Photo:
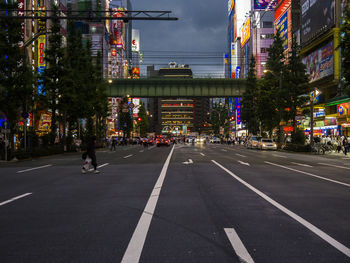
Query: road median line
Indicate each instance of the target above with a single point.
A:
(309, 174)
(14, 199)
(336, 244)
(135, 247)
(35, 168)
(238, 246)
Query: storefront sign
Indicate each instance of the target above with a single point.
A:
(246, 32)
(263, 4)
(41, 22)
(344, 109)
(20, 5)
(135, 44)
(238, 72)
(41, 51)
(238, 112)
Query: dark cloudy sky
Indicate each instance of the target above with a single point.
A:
(198, 38)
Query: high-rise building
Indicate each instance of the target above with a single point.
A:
(176, 116)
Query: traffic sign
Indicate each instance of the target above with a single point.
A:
(131, 105)
(125, 105)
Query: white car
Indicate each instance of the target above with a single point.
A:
(215, 140)
(267, 144)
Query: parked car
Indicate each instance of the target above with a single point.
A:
(267, 144)
(253, 142)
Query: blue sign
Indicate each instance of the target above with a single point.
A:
(341, 110)
(4, 122)
(40, 81)
(282, 26)
(238, 72)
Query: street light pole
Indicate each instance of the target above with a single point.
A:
(312, 123)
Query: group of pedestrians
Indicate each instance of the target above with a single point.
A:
(338, 143)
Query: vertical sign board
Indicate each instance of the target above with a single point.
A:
(41, 62)
(118, 28)
(135, 44)
(238, 113)
(282, 26)
(238, 72)
(246, 32)
(20, 5)
(283, 22)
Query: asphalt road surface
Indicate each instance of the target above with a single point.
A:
(188, 203)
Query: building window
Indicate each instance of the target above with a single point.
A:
(267, 36)
(267, 24)
(263, 50)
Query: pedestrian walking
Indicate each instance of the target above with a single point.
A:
(113, 144)
(91, 153)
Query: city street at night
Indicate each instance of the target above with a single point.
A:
(183, 203)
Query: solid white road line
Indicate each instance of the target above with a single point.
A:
(134, 249)
(238, 246)
(202, 154)
(310, 174)
(302, 164)
(345, 250)
(281, 156)
(100, 166)
(14, 199)
(337, 166)
(35, 168)
(223, 150)
(241, 155)
(128, 156)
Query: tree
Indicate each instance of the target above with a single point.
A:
(345, 47)
(297, 85)
(271, 100)
(219, 117)
(250, 99)
(143, 122)
(15, 75)
(53, 81)
(125, 119)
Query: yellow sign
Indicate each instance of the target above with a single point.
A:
(41, 51)
(245, 32)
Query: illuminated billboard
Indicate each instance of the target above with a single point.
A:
(317, 16)
(246, 32)
(320, 63)
(41, 51)
(263, 4)
(231, 5)
(282, 25)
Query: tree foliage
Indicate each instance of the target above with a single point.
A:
(250, 100)
(345, 47)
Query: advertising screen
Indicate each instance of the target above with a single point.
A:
(135, 45)
(317, 16)
(282, 26)
(263, 4)
(320, 63)
(246, 32)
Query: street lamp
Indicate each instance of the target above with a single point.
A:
(313, 96)
(110, 81)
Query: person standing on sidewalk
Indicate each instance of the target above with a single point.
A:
(91, 153)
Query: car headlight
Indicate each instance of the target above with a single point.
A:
(264, 145)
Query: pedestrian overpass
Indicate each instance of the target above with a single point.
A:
(146, 88)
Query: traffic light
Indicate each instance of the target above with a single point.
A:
(232, 118)
(139, 119)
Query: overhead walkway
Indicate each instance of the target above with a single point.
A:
(146, 88)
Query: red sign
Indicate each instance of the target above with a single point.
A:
(282, 8)
(114, 53)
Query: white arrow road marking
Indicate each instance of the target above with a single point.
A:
(247, 164)
(337, 166)
(241, 155)
(238, 246)
(128, 156)
(189, 162)
(14, 199)
(35, 168)
(310, 174)
(202, 154)
(345, 250)
(301, 164)
(134, 249)
(223, 150)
